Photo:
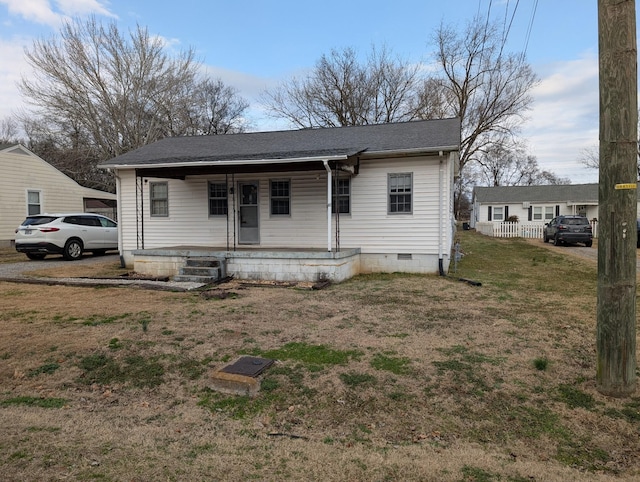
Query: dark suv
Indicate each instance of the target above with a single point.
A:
(568, 229)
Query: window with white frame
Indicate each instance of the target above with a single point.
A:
(218, 201)
(280, 197)
(341, 194)
(400, 188)
(33, 203)
(498, 213)
(548, 213)
(542, 213)
(159, 198)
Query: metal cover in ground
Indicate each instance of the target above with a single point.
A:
(250, 366)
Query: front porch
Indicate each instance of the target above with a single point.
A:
(283, 264)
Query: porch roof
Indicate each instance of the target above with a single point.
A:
(293, 148)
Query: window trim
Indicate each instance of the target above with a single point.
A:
(218, 198)
(390, 194)
(154, 200)
(286, 198)
(336, 196)
(39, 203)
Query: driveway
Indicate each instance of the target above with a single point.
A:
(580, 251)
(15, 272)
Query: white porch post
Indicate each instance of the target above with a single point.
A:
(328, 169)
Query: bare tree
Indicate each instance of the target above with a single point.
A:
(503, 166)
(9, 131)
(99, 93)
(486, 88)
(119, 92)
(342, 91)
(217, 109)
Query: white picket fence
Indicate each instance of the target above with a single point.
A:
(519, 230)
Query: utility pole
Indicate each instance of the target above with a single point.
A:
(616, 324)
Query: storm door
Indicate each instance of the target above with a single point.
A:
(249, 232)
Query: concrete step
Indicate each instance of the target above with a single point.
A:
(204, 262)
(201, 270)
(195, 279)
(198, 271)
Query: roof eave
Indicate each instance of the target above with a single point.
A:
(236, 162)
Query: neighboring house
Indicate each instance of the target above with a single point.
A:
(537, 204)
(293, 205)
(30, 185)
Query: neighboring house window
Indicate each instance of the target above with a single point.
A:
(159, 197)
(400, 191)
(33, 203)
(542, 212)
(218, 205)
(498, 213)
(548, 213)
(341, 193)
(280, 198)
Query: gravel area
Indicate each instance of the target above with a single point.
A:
(15, 272)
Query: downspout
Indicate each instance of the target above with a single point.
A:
(328, 169)
(440, 218)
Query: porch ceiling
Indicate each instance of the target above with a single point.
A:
(181, 172)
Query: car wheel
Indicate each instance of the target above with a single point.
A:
(72, 249)
(588, 244)
(556, 241)
(35, 255)
(544, 238)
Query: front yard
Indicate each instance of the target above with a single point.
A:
(387, 377)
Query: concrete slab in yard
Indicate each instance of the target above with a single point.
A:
(240, 377)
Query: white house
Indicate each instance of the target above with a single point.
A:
(293, 205)
(538, 204)
(30, 185)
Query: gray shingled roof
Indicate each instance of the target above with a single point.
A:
(428, 135)
(579, 193)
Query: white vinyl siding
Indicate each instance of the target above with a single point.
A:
(23, 171)
(369, 226)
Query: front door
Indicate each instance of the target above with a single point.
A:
(248, 203)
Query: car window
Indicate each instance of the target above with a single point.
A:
(34, 221)
(92, 221)
(575, 221)
(107, 223)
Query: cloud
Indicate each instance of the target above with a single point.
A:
(42, 11)
(12, 67)
(564, 119)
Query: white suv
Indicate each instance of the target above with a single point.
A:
(66, 234)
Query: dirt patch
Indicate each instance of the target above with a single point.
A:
(387, 377)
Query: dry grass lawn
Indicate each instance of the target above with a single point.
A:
(387, 377)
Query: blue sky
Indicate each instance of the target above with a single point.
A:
(254, 44)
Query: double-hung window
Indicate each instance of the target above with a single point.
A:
(542, 213)
(341, 194)
(218, 201)
(400, 188)
(498, 213)
(159, 198)
(280, 197)
(33, 203)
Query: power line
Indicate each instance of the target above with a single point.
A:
(533, 15)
